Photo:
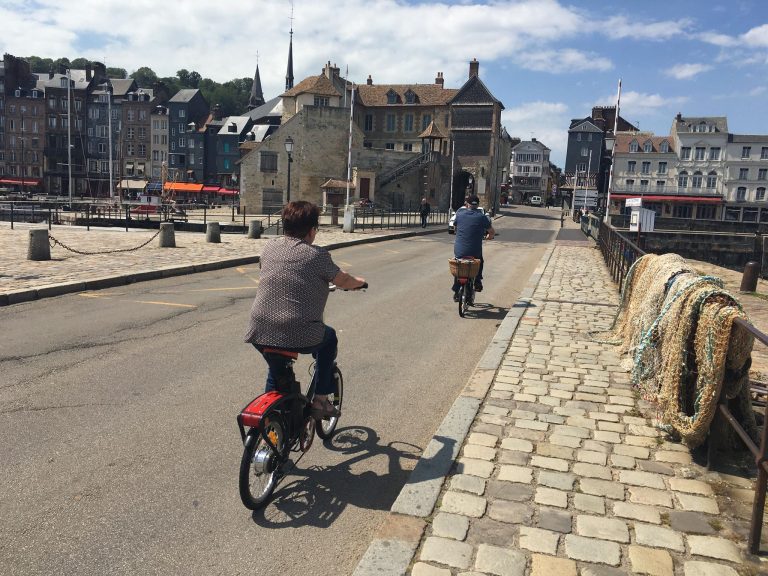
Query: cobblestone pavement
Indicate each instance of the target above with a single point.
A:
(17, 273)
(561, 473)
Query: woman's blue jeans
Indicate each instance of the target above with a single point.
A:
(325, 358)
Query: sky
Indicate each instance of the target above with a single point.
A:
(547, 61)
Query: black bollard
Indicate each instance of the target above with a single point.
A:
(749, 279)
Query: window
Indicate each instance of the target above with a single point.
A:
(142, 114)
(762, 174)
(584, 151)
(749, 215)
(182, 113)
(578, 137)
(155, 156)
(741, 194)
(63, 103)
(182, 142)
(760, 194)
(589, 137)
(268, 162)
(323, 101)
(425, 120)
(745, 151)
(142, 133)
(685, 153)
(408, 147)
(410, 97)
(631, 166)
(662, 168)
(646, 169)
(368, 125)
(714, 153)
(390, 122)
(633, 146)
(643, 185)
(743, 173)
(389, 146)
(581, 167)
(732, 214)
(696, 180)
(682, 179)
(391, 97)
(660, 185)
(648, 147)
(78, 104)
(227, 163)
(712, 180)
(102, 131)
(142, 149)
(130, 133)
(408, 123)
(52, 102)
(682, 211)
(704, 212)
(130, 149)
(104, 165)
(51, 121)
(700, 153)
(367, 144)
(130, 115)
(764, 153)
(664, 147)
(630, 184)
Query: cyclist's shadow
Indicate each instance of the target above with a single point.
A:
(316, 496)
(486, 310)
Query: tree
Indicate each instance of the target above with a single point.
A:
(119, 73)
(79, 63)
(145, 77)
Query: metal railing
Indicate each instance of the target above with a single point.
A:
(372, 218)
(619, 253)
(404, 168)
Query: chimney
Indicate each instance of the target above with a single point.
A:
(474, 68)
(216, 112)
(679, 117)
(533, 139)
(88, 73)
(369, 81)
(330, 72)
(439, 79)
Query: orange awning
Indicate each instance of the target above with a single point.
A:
(183, 187)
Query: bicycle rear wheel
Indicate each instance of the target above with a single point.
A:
(326, 428)
(259, 465)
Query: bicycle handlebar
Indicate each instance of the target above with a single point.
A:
(333, 287)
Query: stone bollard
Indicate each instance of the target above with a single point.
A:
(167, 235)
(749, 280)
(39, 248)
(254, 229)
(213, 233)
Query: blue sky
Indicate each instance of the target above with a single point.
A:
(547, 60)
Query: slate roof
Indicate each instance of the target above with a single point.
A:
(270, 109)
(686, 123)
(747, 138)
(426, 94)
(624, 139)
(579, 121)
(120, 87)
(240, 123)
(184, 95)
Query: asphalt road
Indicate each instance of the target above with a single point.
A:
(118, 440)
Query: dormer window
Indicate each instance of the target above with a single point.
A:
(391, 97)
(664, 147)
(410, 97)
(633, 147)
(648, 147)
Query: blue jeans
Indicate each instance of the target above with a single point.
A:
(324, 355)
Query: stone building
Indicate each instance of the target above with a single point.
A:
(529, 171)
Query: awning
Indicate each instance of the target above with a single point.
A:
(690, 199)
(183, 186)
(133, 184)
(210, 188)
(228, 192)
(26, 182)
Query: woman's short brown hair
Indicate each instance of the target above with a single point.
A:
(299, 218)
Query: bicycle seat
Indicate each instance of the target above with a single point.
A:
(281, 352)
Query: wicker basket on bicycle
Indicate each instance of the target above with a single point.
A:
(464, 267)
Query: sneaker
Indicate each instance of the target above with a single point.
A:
(478, 286)
(456, 296)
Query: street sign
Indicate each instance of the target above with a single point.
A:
(636, 202)
(586, 198)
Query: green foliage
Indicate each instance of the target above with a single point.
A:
(120, 73)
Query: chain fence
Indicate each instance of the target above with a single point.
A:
(54, 241)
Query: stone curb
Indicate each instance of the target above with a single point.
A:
(390, 555)
(49, 290)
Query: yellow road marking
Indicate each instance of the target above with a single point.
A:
(245, 271)
(392, 251)
(344, 264)
(164, 303)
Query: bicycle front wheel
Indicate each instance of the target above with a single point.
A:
(326, 428)
(259, 466)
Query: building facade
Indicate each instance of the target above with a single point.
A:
(529, 171)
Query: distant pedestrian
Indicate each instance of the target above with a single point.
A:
(424, 211)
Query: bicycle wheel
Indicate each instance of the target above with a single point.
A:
(327, 427)
(258, 468)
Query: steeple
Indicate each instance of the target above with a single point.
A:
(289, 73)
(257, 95)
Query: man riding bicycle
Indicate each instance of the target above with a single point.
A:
(471, 227)
(287, 312)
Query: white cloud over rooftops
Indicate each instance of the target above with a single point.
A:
(685, 71)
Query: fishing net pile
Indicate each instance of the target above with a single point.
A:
(675, 326)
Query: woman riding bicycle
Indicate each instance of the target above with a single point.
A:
(287, 312)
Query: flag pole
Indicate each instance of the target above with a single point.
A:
(613, 154)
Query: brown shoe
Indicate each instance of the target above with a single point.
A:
(323, 410)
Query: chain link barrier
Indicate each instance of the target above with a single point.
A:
(54, 241)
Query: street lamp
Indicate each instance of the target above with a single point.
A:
(22, 109)
(289, 150)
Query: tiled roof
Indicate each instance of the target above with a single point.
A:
(426, 94)
(431, 132)
(319, 85)
(333, 183)
(624, 139)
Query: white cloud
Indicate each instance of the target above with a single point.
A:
(685, 71)
(722, 40)
(757, 91)
(545, 121)
(562, 61)
(637, 103)
(620, 27)
(757, 37)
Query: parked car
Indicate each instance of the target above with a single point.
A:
(452, 221)
(536, 201)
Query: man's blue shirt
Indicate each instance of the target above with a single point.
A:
(471, 226)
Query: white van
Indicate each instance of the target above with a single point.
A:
(536, 201)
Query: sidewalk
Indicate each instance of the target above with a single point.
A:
(22, 280)
(557, 471)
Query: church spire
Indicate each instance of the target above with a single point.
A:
(257, 95)
(289, 73)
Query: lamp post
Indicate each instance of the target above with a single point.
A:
(69, 135)
(23, 161)
(109, 142)
(289, 150)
